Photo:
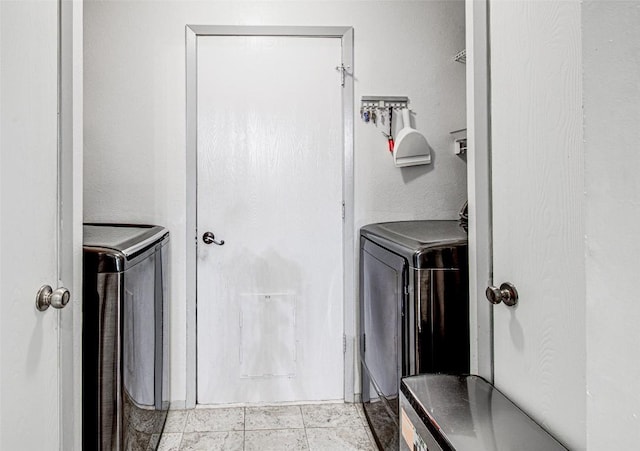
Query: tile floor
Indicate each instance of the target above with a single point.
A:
(324, 427)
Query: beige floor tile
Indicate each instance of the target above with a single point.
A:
(331, 415)
(170, 441)
(275, 440)
(342, 438)
(212, 441)
(176, 420)
(215, 420)
(284, 417)
(329, 427)
(370, 435)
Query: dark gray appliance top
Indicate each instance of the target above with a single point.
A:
(117, 246)
(472, 414)
(415, 240)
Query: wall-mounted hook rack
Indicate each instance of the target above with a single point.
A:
(461, 57)
(384, 102)
(411, 147)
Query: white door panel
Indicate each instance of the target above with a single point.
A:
(30, 413)
(270, 317)
(29, 207)
(538, 235)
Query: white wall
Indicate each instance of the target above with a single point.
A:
(611, 54)
(135, 111)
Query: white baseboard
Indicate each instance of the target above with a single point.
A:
(180, 404)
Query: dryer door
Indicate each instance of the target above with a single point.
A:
(382, 281)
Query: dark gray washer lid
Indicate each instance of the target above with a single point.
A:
(416, 240)
(473, 415)
(117, 246)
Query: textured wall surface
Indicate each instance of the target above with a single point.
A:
(135, 111)
(611, 52)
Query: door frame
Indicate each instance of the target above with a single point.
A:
(345, 34)
(478, 76)
(70, 217)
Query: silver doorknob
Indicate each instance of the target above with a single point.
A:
(507, 293)
(209, 238)
(47, 297)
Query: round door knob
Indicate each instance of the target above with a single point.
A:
(47, 297)
(507, 293)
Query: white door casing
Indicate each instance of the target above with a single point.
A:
(479, 187)
(70, 239)
(538, 217)
(345, 37)
(39, 223)
(270, 184)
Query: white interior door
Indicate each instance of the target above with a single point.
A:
(30, 389)
(269, 151)
(536, 117)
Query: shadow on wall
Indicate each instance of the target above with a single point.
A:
(516, 332)
(269, 309)
(411, 173)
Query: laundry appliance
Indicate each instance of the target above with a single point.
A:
(414, 312)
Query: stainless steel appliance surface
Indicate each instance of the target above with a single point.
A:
(465, 413)
(413, 312)
(125, 335)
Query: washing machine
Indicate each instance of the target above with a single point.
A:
(125, 368)
(465, 413)
(414, 312)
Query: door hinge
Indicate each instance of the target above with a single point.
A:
(343, 71)
(344, 344)
(343, 208)
(364, 343)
